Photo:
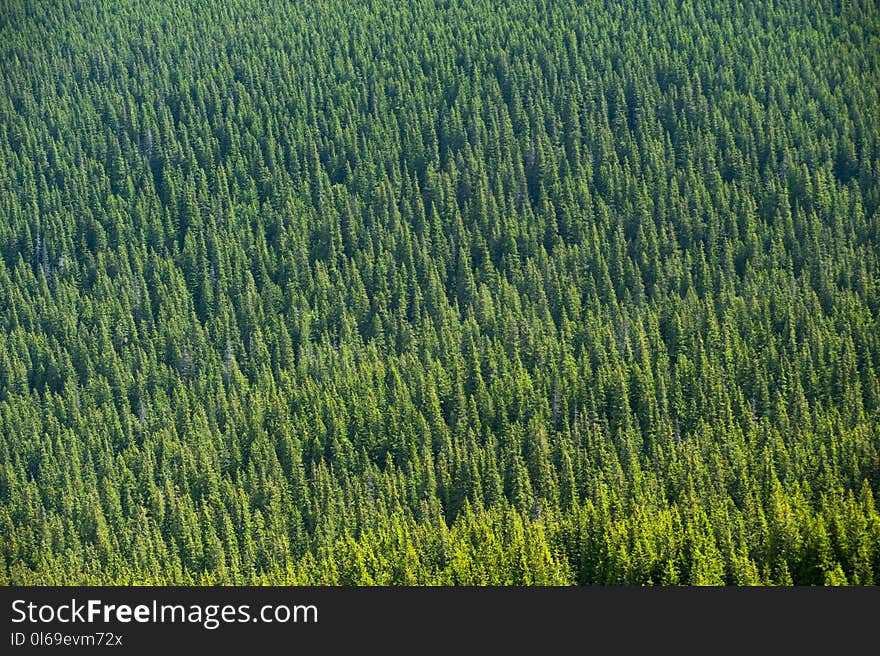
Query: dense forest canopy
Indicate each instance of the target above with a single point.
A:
(440, 291)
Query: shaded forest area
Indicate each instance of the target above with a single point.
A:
(440, 291)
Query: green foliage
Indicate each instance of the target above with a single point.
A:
(462, 292)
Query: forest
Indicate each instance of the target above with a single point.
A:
(440, 292)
